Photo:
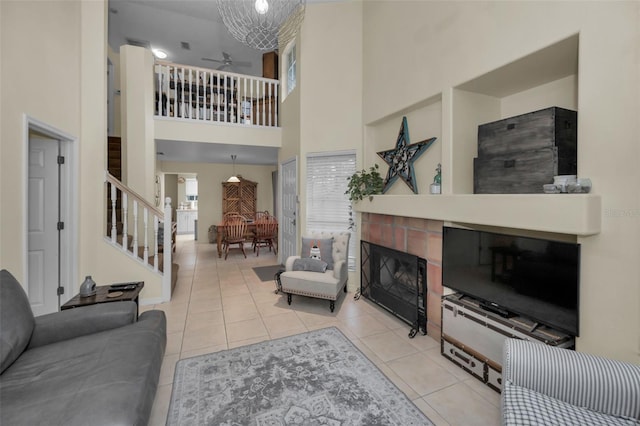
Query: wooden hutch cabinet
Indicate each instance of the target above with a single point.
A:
(240, 197)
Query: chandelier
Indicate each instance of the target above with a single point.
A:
(262, 24)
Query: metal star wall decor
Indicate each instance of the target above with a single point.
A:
(400, 159)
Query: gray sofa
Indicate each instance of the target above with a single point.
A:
(544, 385)
(95, 365)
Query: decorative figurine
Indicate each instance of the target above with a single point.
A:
(434, 188)
(401, 158)
(88, 287)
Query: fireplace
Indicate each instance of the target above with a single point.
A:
(396, 281)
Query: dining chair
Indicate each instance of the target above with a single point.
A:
(235, 227)
(261, 215)
(257, 217)
(265, 234)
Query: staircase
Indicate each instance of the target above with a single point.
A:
(114, 166)
(135, 226)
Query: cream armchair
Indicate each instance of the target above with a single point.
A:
(322, 285)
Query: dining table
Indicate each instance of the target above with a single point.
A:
(251, 227)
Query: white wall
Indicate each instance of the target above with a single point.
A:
(438, 45)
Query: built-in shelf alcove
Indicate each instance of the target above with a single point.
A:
(424, 120)
(547, 77)
(540, 79)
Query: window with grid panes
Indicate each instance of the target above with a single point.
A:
(328, 207)
(290, 57)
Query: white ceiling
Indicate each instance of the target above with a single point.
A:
(164, 24)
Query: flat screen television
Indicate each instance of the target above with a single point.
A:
(513, 275)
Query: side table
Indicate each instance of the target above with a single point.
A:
(104, 296)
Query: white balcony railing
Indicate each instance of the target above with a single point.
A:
(190, 93)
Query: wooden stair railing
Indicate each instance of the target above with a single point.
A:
(129, 213)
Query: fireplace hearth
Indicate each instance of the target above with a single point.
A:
(395, 281)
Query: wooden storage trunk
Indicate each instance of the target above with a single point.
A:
(473, 338)
(519, 154)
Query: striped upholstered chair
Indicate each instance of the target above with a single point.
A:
(544, 385)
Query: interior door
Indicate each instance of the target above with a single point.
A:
(43, 217)
(287, 245)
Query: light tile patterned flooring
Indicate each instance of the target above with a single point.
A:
(220, 304)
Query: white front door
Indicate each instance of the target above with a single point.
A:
(43, 215)
(287, 246)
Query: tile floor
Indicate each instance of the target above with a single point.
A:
(220, 304)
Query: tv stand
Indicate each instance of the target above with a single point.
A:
(496, 310)
(473, 336)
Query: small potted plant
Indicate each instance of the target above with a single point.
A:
(365, 184)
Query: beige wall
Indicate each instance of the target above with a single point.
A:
(434, 46)
(290, 106)
(52, 97)
(114, 57)
(330, 115)
(439, 45)
(53, 58)
(170, 189)
(210, 178)
(329, 89)
(138, 138)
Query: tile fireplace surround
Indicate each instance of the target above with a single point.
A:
(420, 237)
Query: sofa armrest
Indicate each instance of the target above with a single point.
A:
(599, 384)
(340, 270)
(289, 264)
(77, 322)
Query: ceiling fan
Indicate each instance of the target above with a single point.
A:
(228, 62)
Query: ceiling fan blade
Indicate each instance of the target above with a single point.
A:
(226, 56)
(222, 67)
(213, 60)
(242, 63)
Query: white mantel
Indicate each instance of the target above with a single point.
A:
(574, 214)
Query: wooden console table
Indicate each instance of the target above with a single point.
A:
(103, 296)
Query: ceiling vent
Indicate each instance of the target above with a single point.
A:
(185, 45)
(139, 43)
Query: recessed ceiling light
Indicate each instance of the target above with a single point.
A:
(160, 54)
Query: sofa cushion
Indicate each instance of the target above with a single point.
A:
(106, 378)
(522, 406)
(16, 319)
(325, 245)
(308, 264)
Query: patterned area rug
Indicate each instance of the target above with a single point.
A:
(314, 378)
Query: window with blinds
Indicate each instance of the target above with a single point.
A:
(328, 207)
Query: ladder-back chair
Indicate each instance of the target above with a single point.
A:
(235, 227)
(266, 234)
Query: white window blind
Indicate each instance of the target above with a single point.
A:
(328, 207)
